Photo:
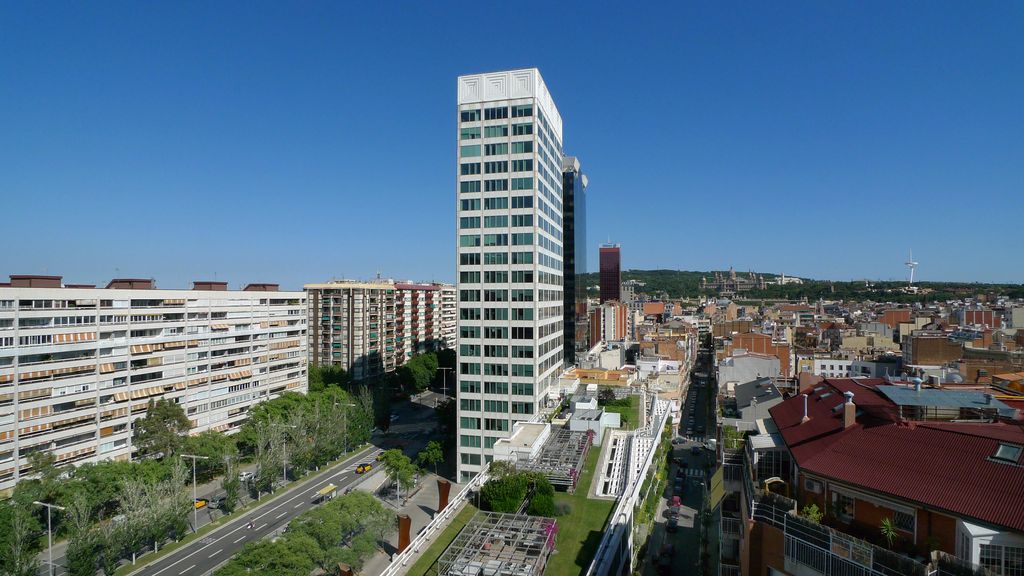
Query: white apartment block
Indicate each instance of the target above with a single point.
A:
(833, 367)
(79, 364)
(370, 328)
(509, 229)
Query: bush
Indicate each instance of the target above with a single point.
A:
(563, 509)
(542, 505)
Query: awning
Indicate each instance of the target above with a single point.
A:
(104, 368)
(219, 326)
(196, 381)
(172, 345)
(76, 337)
(141, 348)
(121, 396)
(327, 490)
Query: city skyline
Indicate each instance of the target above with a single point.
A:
(161, 140)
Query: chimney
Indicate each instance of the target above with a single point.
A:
(805, 418)
(849, 411)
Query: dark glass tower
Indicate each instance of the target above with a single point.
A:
(576, 334)
(611, 275)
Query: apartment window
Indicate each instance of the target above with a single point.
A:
(522, 370)
(522, 110)
(469, 332)
(496, 424)
(496, 167)
(843, 506)
(495, 239)
(495, 203)
(495, 276)
(523, 147)
(469, 313)
(496, 258)
(523, 184)
(471, 115)
(522, 295)
(467, 423)
(470, 204)
(469, 368)
(1005, 560)
(498, 406)
(494, 351)
(468, 441)
(496, 221)
(495, 387)
(470, 259)
(495, 295)
(469, 133)
(496, 149)
(522, 332)
(496, 131)
(522, 239)
(470, 168)
(495, 185)
(904, 520)
(495, 313)
(489, 442)
(520, 389)
(523, 201)
(812, 485)
(522, 257)
(495, 333)
(469, 387)
(522, 220)
(522, 351)
(469, 241)
(469, 277)
(469, 151)
(522, 275)
(469, 349)
(471, 459)
(496, 113)
(522, 129)
(469, 185)
(522, 165)
(522, 407)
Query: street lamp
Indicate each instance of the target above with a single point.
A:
(444, 380)
(195, 510)
(284, 446)
(345, 421)
(49, 531)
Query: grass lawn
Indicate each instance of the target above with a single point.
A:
(579, 532)
(630, 414)
(427, 564)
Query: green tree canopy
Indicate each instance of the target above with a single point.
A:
(161, 432)
(431, 455)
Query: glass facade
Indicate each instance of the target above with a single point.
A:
(574, 260)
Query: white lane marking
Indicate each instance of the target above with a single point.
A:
(262, 527)
(240, 526)
(281, 514)
(239, 540)
(297, 505)
(187, 569)
(215, 553)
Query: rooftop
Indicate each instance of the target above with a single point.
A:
(943, 464)
(494, 543)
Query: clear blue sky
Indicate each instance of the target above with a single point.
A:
(300, 141)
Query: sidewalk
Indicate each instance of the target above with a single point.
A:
(421, 509)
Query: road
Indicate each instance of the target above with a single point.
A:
(203, 555)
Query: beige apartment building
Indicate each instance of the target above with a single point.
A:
(371, 328)
(78, 364)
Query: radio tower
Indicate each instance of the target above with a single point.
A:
(912, 265)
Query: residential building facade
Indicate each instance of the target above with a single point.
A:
(78, 365)
(371, 328)
(510, 257)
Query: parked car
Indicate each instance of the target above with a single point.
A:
(246, 477)
(364, 468)
(380, 456)
(673, 525)
(217, 502)
(201, 503)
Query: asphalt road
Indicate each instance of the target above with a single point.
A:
(218, 546)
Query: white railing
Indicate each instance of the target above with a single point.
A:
(400, 561)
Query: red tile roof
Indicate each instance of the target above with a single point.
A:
(944, 465)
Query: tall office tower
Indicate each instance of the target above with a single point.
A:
(78, 364)
(574, 234)
(610, 274)
(370, 328)
(509, 257)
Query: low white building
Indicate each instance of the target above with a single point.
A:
(648, 365)
(745, 366)
(832, 367)
(524, 444)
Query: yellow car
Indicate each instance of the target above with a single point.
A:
(380, 456)
(201, 503)
(363, 468)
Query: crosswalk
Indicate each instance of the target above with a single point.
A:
(693, 473)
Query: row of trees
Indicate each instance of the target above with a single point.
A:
(115, 508)
(347, 530)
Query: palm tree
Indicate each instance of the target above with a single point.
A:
(888, 530)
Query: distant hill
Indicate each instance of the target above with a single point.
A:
(686, 284)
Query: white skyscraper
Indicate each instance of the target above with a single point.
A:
(509, 257)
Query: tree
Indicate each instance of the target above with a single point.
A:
(431, 455)
(605, 395)
(812, 513)
(542, 503)
(447, 413)
(81, 554)
(399, 468)
(161, 432)
(215, 446)
(504, 494)
(888, 530)
(19, 532)
(231, 484)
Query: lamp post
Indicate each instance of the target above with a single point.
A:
(345, 420)
(49, 531)
(444, 381)
(284, 448)
(195, 510)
